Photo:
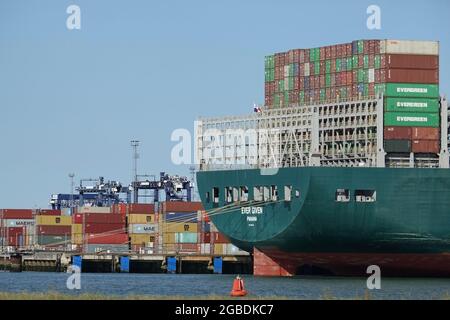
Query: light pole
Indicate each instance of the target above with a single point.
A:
(71, 176)
(135, 145)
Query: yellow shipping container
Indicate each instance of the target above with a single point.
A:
(77, 238)
(77, 229)
(141, 218)
(142, 238)
(179, 227)
(168, 238)
(219, 248)
(54, 220)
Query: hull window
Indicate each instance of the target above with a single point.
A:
(297, 193)
(274, 193)
(215, 192)
(236, 194)
(342, 195)
(365, 195)
(244, 193)
(287, 193)
(208, 197)
(228, 194)
(266, 193)
(257, 193)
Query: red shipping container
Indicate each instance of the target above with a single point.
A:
(311, 68)
(377, 46)
(377, 76)
(296, 83)
(317, 82)
(397, 133)
(103, 218)
(307, 55)
(120, 238)
(102, 228)
(372, 89)
(424, 133)
(16, 214)
(333, 66)
(328, 52)
(349, 49)
(334, 52)
(53, 230)
(411, 61)
(425, 146)
(49, 212)
(349, 78)
(355, 76)
(322, 81)
(77, 218)
(205, 237)
(371, 61)
(141, 208)
(181, 206)
(361, 61)
(322, 67)
(412, 76)
(322, 53)
(366, 45)
(13, 231)
(217, 237)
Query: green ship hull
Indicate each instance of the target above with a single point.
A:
(405, 227)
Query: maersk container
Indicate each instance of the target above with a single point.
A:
(401, 146)
(186, 237)
(412, 90)
(144, 228)
(409, 47)
(411, 105)
(18, 222)
(411, 119)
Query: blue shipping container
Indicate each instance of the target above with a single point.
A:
(77, 261)
(124, 264)
(171, 265)
(218, 262)
(181, 217)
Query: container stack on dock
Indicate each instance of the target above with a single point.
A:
(16, 227)
(142, 227)
(103, 230)
(350, 71)
(180, 228)
(53, 229)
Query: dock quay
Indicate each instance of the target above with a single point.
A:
(109, 262)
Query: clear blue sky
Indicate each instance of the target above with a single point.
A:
(71, 101)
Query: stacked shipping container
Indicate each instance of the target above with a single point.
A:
(16, 227)
(142, 226)
(343, 72)
(53, 229)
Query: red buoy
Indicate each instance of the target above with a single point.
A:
(238, 288)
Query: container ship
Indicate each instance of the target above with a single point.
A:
(344, 166)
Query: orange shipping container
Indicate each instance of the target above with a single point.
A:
(181, 206)
(425, 146)
(425, 133)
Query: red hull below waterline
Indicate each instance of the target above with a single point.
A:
(272, 262)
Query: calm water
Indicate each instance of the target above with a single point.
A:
(201, 285)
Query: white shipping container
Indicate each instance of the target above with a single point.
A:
(144, 228)
(371, 75)
(409, 47)
(231, 249)
(205, 248)
(307, 69)
(286, 71)
(18, 222)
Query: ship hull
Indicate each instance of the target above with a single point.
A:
(405, 230)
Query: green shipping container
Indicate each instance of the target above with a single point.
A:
(366, 62)
(317, 54)
(355, 62)
(411, 105)
(349, 64)
(322, 95)
(281, 85)
(311, 55)
(317, 68)
(412, 90)
(397, 146)
(269, 62)
(377, 62)
(286, 99)
(411, 119)
(360, 75)
(291, 83)
(366, 90)
(379, 89)
(360, 46)
(301, 97)
(269, 75)
(276, 100)
(328, 66)
(328, 80)
(343, 93)
(291, 70)
(53, 240)
(338, 65)
(186, 237)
